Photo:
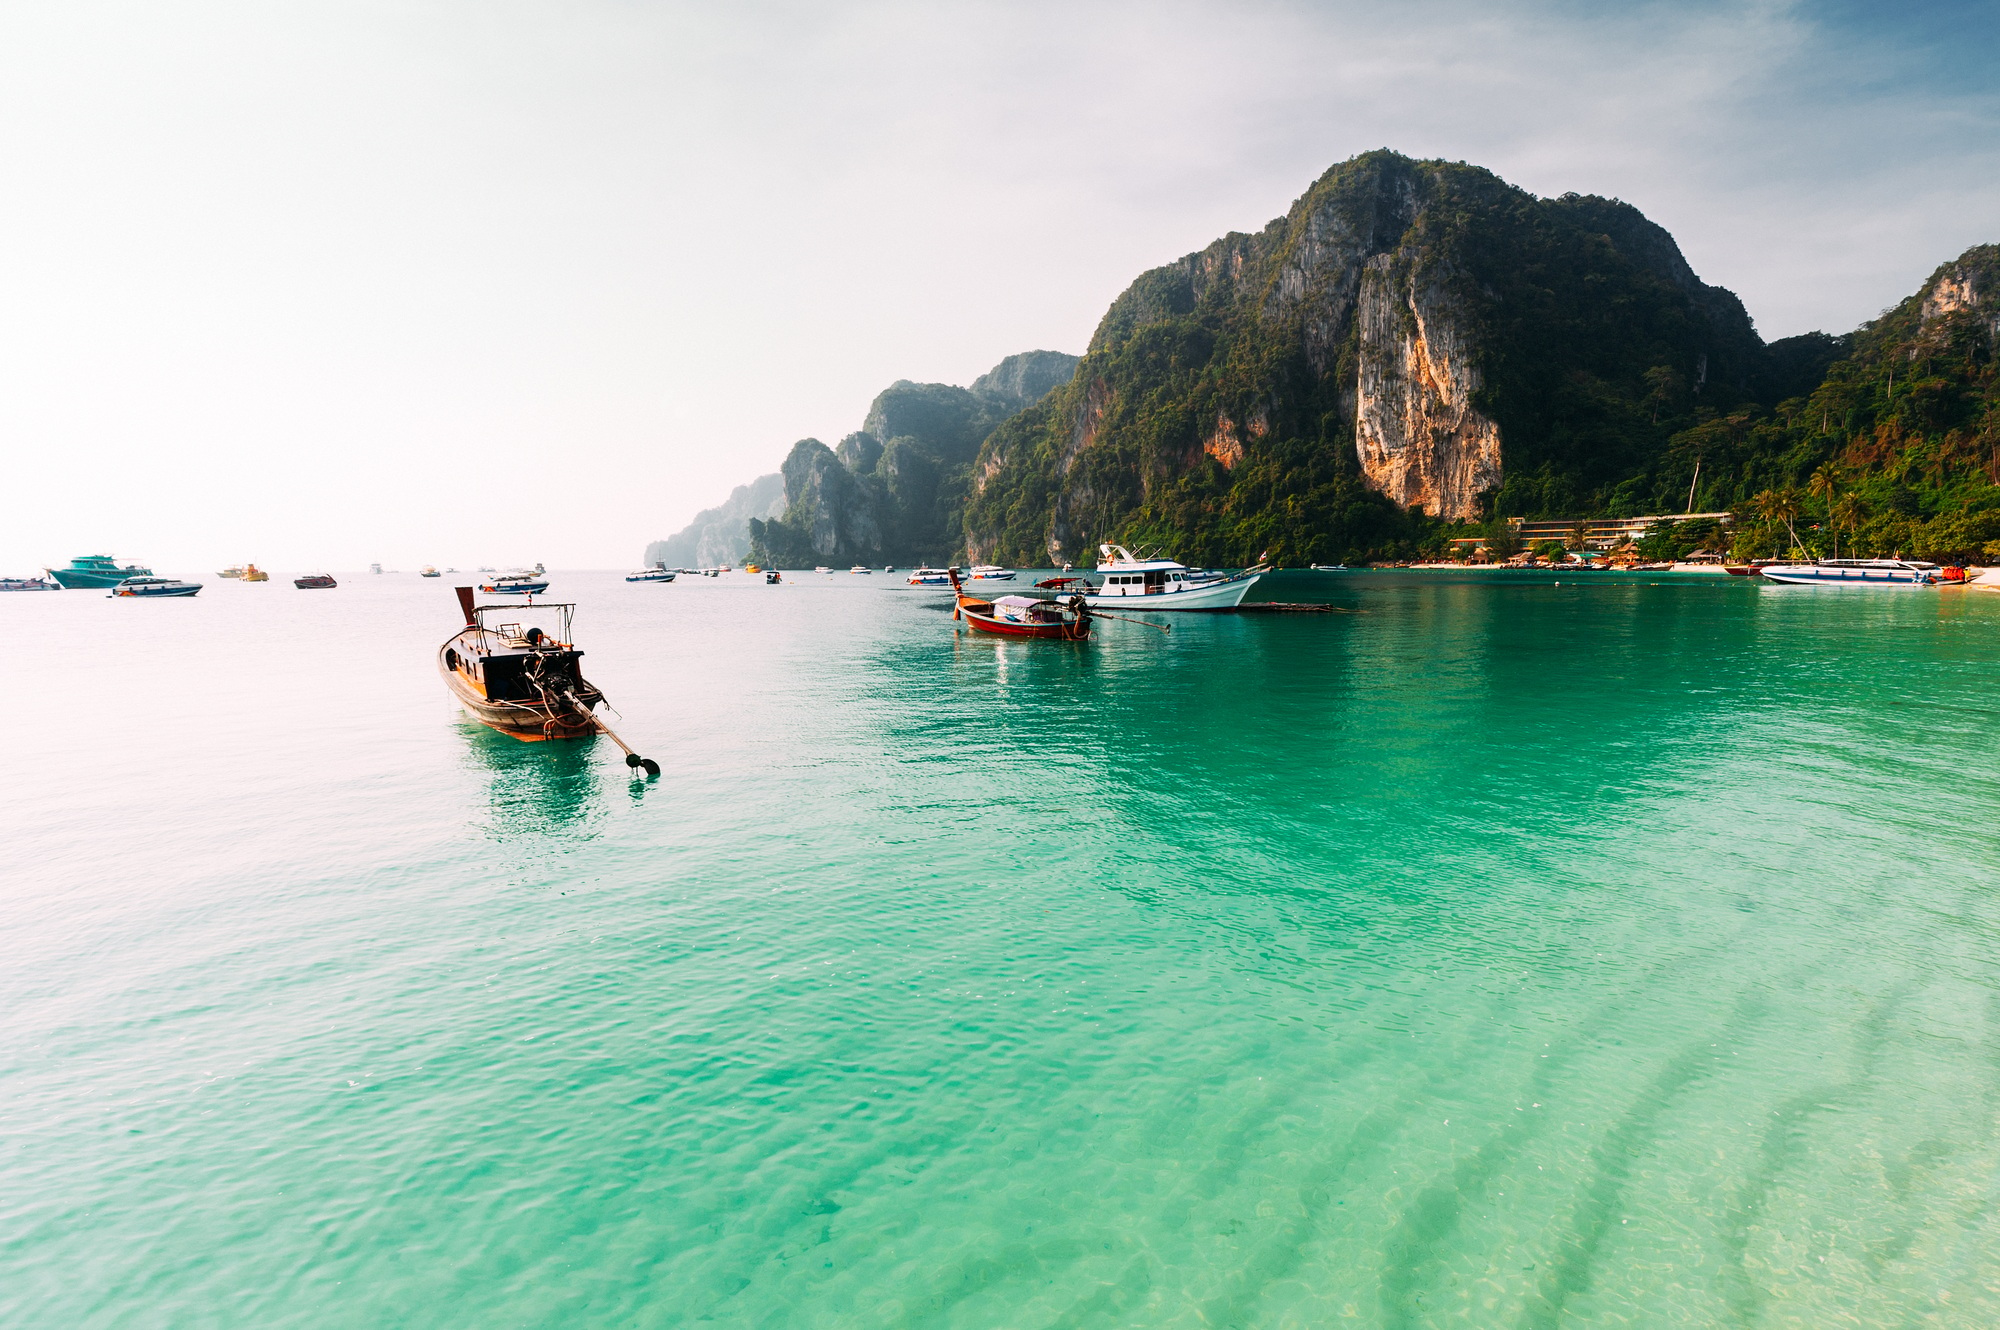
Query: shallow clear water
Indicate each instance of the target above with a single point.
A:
(1483, 953)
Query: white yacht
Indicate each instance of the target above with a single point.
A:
(659, 572)
(930, 577)
(860, 570)
(987, 572)
(1854, 573)
(1163, 584)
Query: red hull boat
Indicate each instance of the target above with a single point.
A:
(1024, 616)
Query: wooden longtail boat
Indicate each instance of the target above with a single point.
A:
(515, 668)
(1024, 616)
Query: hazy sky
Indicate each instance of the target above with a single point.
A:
(316, 284)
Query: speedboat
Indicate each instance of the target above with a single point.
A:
(234, 570)
(987, 572)
(155, 586)
(252, 573)
(96, 570)
(515, 584)
(1163, 584)
(1331, 568)
(659, 572)
(1855, 573)
(860, 571)
(27, 584)
(428, 571)
(773, 577)
(315, 582)
(822, 568)
(930, 577)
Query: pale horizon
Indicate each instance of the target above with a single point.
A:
(470, 285)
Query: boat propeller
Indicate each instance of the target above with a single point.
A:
(632, 759)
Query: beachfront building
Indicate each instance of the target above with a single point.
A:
(1599, 533)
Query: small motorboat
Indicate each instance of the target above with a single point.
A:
(428, 571)
(888, 567)
(859, 570)
(375, 568)
(987, 572)
(1331, 568)
(234, 570)
(515, 584)
(659, 572)
(517, 670)
(822, 568)
(148, 587)
(1064, 585)
(1856, 573)
(315, 582)
(930, 577)
(252, 573)
(773, 577)
(28, 584)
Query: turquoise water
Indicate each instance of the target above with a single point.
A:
(1482, 953)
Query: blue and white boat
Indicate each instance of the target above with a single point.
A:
(1163, 584)
(659, 572)
(987, 572)
(154, 586)
(515, 584)
(1854, 573)
(28, 584)
(930, 577)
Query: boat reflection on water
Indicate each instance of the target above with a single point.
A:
(535, 789)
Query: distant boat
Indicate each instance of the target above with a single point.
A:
(96, 570)
(514, 584)
(428, 571)
(1331, 568)
(154, 586)
(986, 572)
(315, 582)
(27, 584)
(1855, 573)
(861, 571)
(234, 570)
(1162, 584)
(374, 567)
(772, 578)
(659, 572)
(824, 569)
(888, 567)
(252, 573)
(930, 577)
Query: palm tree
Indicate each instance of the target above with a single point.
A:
(1850, 512)
(1825, 481)
(1779, 506)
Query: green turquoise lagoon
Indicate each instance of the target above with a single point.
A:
(1488, 950)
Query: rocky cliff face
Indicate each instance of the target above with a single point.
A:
(721, 535)
(1418, 438)
(1409, 336)
(893, 490)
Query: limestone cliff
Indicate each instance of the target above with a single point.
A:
(1409, 336)
(892, 491)
(721, 535)
(1418, 437)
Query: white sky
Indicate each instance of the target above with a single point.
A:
(316, 283)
